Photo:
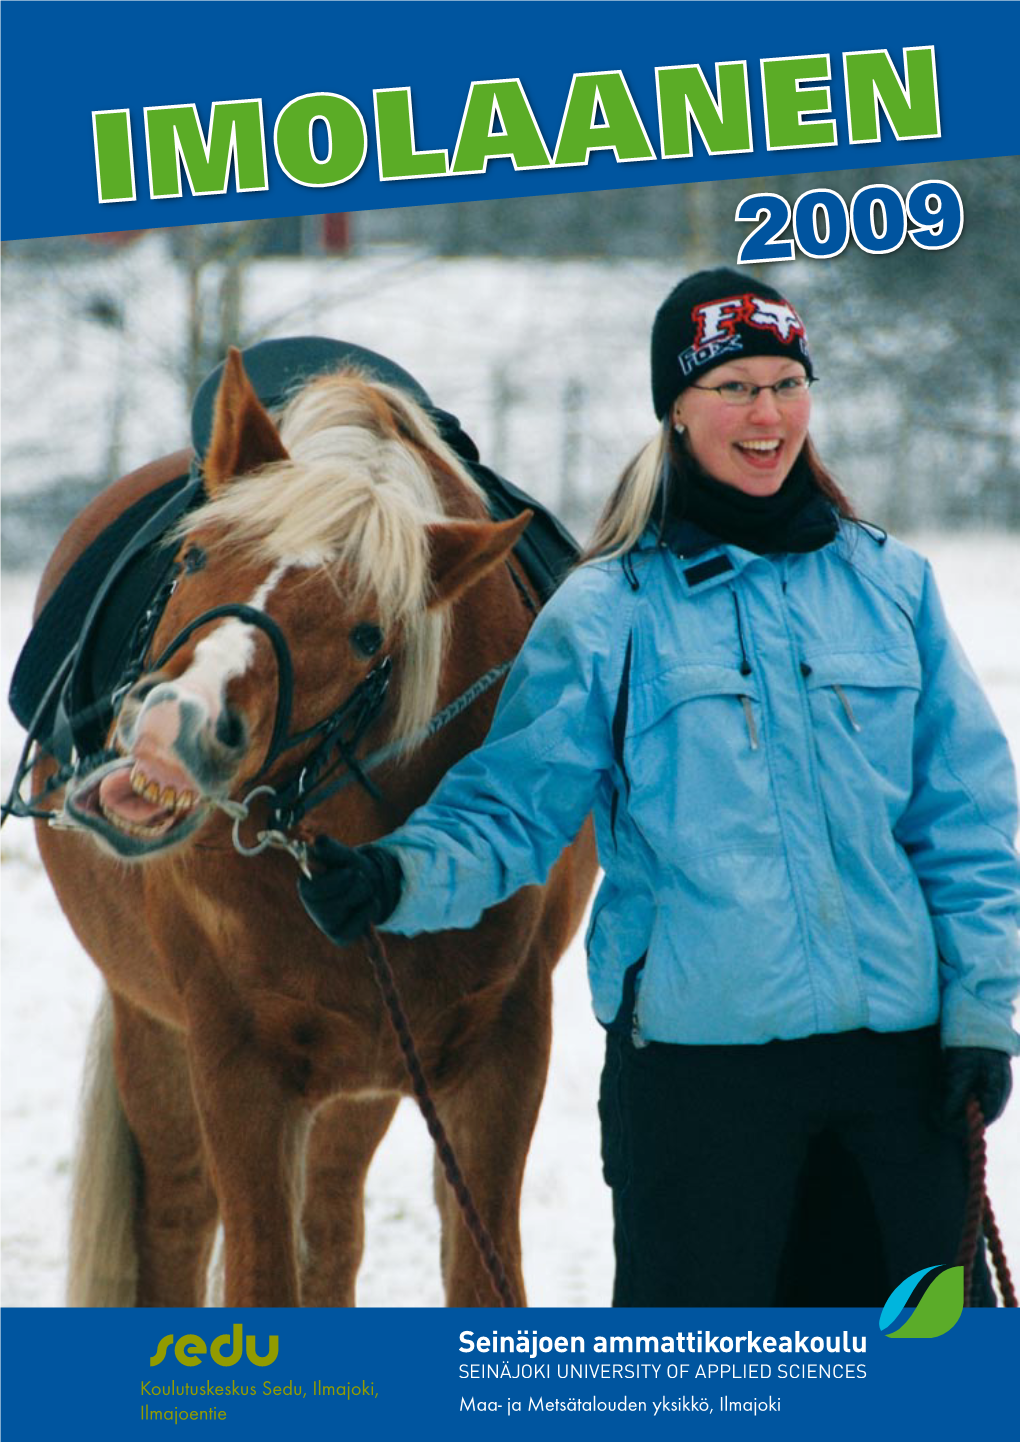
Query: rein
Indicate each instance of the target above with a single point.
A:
(480, 1234)
(310, 788)
(314, 784)
(979, 1216)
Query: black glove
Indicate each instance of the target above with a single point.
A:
(973, 1071)
(355, 888)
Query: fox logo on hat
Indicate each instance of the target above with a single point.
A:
(715, 316)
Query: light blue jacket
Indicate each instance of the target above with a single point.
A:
(805, 809)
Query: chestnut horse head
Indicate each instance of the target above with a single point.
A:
(312, 601)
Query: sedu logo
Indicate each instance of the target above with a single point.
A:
(190, 1349)
(939, 1307)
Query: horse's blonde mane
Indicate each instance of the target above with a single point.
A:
(355, 496)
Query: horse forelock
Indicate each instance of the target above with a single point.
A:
(355, 498)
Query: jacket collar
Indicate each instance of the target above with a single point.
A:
(686, 539)
(705, 562)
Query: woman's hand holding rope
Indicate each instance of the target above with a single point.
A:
(352, 889)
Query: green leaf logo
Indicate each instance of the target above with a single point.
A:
(939, 1309)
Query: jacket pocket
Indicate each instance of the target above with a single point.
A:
(695, 755)
(863, 707)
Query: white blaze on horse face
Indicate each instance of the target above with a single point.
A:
(177, 719)
(229, 650)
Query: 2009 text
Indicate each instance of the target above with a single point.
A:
(878, 219)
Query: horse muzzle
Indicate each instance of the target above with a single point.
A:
(177, 759)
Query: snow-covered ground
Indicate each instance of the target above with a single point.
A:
(49, 989)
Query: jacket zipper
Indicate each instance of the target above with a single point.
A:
(845, 703)
(844, 700)
(745, 670)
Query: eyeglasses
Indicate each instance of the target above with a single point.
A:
(742, 393)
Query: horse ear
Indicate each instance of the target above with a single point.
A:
(463, 551)
(243, 435)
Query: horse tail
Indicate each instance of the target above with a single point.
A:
(103, 1264)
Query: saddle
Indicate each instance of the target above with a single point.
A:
(70, 668)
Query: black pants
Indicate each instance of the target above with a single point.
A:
(706, 1150)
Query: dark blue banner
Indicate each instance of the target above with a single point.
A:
(115, 115)
(259, 1374)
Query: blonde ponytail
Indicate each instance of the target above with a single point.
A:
(629, 508)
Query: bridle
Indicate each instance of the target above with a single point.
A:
(329, 767)
(341, 730)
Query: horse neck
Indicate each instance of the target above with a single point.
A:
(489, 622)
(487, 627)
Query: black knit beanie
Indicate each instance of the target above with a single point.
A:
(716, 316)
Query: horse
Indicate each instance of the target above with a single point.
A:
(341, 578)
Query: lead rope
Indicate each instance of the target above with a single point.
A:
(480, 1234)
(979, 1214)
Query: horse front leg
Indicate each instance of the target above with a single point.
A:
(343, 1143)
(255, 1125)
(489, 1117)
(173, 1201)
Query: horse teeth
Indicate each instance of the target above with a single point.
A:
(168, 798)
(122, 824)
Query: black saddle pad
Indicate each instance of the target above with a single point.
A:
(93, 614)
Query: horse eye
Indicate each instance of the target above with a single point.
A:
(194, 559)
(366, 638)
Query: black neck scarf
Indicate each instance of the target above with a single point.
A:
(796, 518)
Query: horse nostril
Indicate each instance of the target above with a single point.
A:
(229, 729)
